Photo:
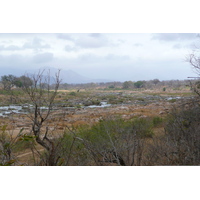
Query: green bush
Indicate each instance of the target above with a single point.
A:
(72, 93)
(172, 100)
(164, 89)
(116, 140)
(111, 87)
(24, 142)
(157, 121)
(179, 145)
(140, 99)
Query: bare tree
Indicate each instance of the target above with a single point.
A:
(194, 61)
(42, 98)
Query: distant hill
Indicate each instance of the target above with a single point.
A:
(71, 77)
(67, 76)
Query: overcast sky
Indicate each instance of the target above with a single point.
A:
(112, 56)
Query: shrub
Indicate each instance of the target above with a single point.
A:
(139, 84)
(180, 143)
(172, 100)
(111, 87)
(157, 121)
(72, 93)
(116, 141)
(140, 99)
(164, 89)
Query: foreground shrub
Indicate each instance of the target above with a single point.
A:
(116, 141)
(180, 145)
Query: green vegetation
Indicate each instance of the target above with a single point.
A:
(139, 84)
(180, 143)
(140, 99)
(72, 93)
(106, 140)
(10, 81)
(127, 85)
(157, 121)
(172, 100)
(164, 89)
(111, 86)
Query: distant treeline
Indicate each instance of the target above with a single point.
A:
(10, 81)
(150, 84)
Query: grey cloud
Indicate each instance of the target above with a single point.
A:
(6, 41)
(17, 35)
(88, 58)
(95, 34)
(174, 36)
(177, 46)
(88, 41)
(192, 46)
(10, 59)
(64, 36)
(14, 61)
(7, 36)
(17, 64)
(116, 43)
(70, 48)
(121, 41)
(92, 40)
(138, 45)
(110, 58)
(42, 58)
(187, 46)
(9, 48)
(117, 58)
(36, 44)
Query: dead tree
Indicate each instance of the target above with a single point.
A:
(194, 60)
(42, 99)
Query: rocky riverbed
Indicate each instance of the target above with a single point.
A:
(18, 116)
(79, 108)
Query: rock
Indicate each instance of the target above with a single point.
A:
(161, 112)
(142, 116)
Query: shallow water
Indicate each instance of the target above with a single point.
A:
(25, 109)
(16, 109)
(170, 98)
(103, 105)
